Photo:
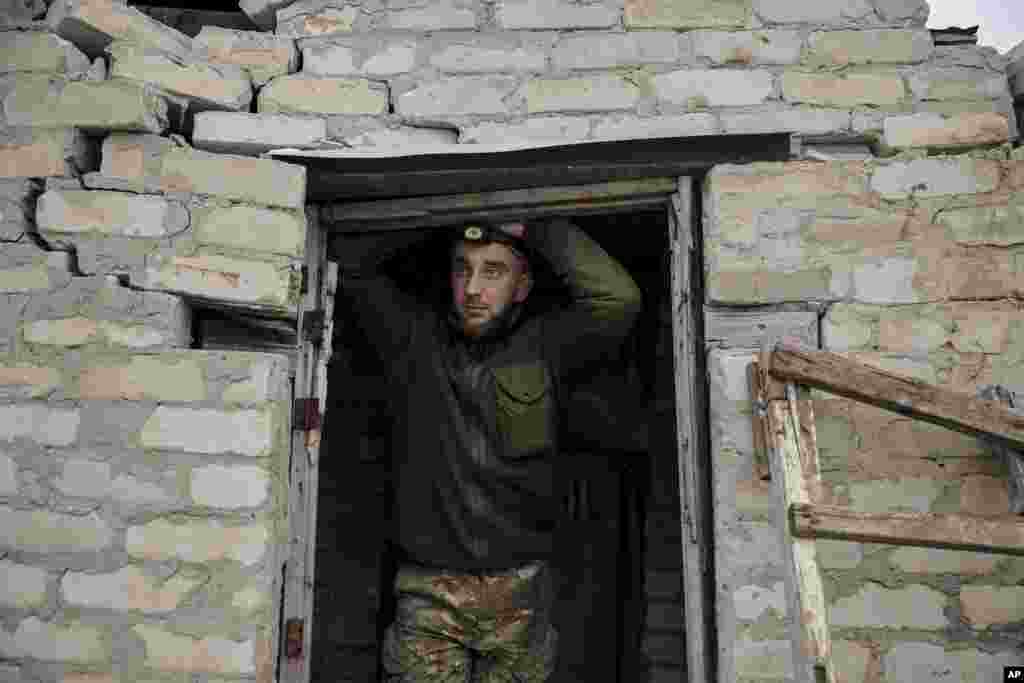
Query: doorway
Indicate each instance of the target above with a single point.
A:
(620, 603)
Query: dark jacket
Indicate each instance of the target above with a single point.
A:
(476, 421)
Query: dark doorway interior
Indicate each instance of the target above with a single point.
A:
(620, 603)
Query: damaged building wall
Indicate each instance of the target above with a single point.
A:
(141, 541)
(912, 266)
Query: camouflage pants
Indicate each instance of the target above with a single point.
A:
(479, 627)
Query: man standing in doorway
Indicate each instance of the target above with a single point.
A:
(475, 390)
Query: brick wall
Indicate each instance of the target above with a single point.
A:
(910, 264)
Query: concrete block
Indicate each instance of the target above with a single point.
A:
(263, 12)
(364, 131)
(94, 24)
(958, 84)
(441, 100)
(167, 651)
(310, 18)
(135, 160)
(436, 16)
(992, 225)
(209, 431)
(774, 119)
(874, 606)
(254, 228)
(98, 106)
(238, 486)
(844, 90)
(262, 56)
(360, 56)
(111, 213)
(144, 378)
(84, 478)
(39, 152)
(303, 94)
(24, 268)
(748, 47)
(8, 476)
(935, 177)
(930, 663)
(129, 588)
(197, 541)
(17, 206)
(22, 586)
(22, 14)
(629, 127)
(828, 12)
(132, 491)
(541, 128)
(671, 14)
(263, 284)
(607, 50)
(51, 642)
(491, 54)
(938, 561)
(877, 46)
(206, 85)
(597, 92)
(902, 12)
(40, 423)
(700, 88)
(41, 51)
(244, 179)
(935, 130)
(253, 134)
(41, 531)
(557, 14)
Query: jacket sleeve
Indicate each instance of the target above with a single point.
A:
(605, 300)
(385, 313)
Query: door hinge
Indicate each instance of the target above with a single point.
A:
(306, 415)
(313, 324)
(294, 634)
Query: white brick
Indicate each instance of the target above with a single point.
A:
(84, 478)
(750, 602)
(133, 491)
(457, 96)
(22, 586)
(887, 281)
(110, 213)
(874, 606)
(41, 51)
(262, 55)
(768, 659)
(554, 14)
(156, 378)
(36, 152)
(607, 50)
(884, 495)
(629, 127)
(380, 134)
(985, 606)
(748, 47)
(851, 660)
(490, 56)
(206, 541)
(844, 90)
(8, 476)
(359, 58)
(957, 84)
(129, 588)
(253, 134)
(304, 94)
(40, 423)
(55, 642)
(838, 554)
(673, 14)
(257, 181)
(435, 16)
(928, 129)
(218, 277)
(819, 12)
(230, 487)
(250, 227)
(93, 24)
(40, 531)
(939, 561)
(930, 663)
(598, 92)
(318, 18)
(714, 88)
(935, 177)
(214, 432)
(172, 652)
(884, 46)
(541, 128)
(23, 381)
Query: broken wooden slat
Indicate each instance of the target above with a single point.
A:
(793, 456)
(1002, 535)
(907, 396)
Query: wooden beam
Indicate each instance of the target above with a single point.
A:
(1003, 535)
(904, 395)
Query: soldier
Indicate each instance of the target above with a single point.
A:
(475, 389)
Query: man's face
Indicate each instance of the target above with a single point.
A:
(486, 279)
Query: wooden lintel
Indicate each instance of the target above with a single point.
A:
(905, 395)
(1001, 535)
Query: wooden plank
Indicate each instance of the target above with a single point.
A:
(1002, 535)
(698, 584)
(597, 206)
(740, 328)
(423, 207)
(907, 396)
(793, 454)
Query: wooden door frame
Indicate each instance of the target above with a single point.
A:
(675, 196)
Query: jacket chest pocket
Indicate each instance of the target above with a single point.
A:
(525, 408)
